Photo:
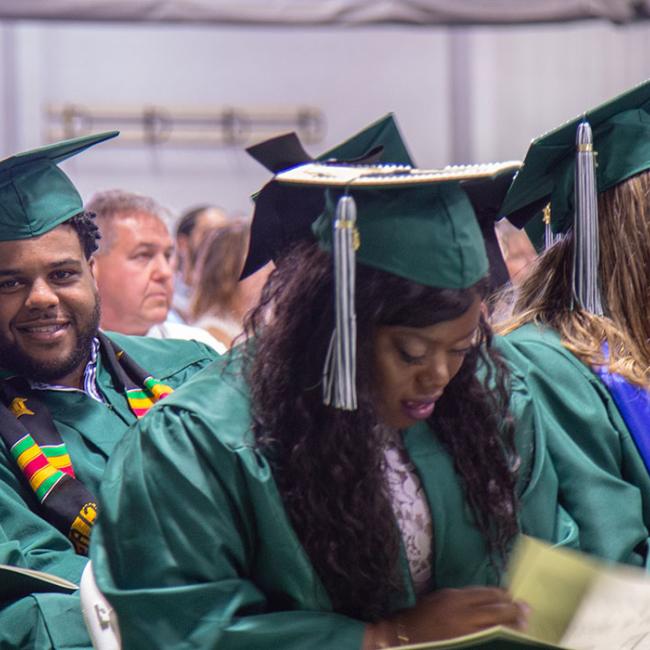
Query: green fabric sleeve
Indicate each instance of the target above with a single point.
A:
(541, 514)
(178, 549)
(53, 620)
(27, 540)
(44, 621)
(171, 360)
(603, 484)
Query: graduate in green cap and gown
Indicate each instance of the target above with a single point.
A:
(354, 474)
(68, 392)
(580, 329)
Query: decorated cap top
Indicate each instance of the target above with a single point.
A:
(418, 224)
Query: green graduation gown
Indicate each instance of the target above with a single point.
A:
(90, 430)
(603, 482)
(195, 550)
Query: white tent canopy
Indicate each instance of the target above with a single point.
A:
(328, 12)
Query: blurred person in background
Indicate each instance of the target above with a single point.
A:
(518, 252)
(134, 261)
(134, 267)
(221, 301)
(191, 231)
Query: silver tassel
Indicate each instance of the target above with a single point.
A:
(339, 373)
(586, 251)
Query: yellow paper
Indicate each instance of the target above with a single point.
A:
(553, 582)
(577, 603)
(492, 637)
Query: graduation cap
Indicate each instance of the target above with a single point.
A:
(284, 214)
(417, 224)
(621, 141)
(566, 168)
(35, 194)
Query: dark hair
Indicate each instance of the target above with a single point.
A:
(188, 220)
(87, 231)
(329, 464)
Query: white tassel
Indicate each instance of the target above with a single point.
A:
(339, 373)
(586, 244)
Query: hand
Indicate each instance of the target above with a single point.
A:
(454, 612)
(448, 613)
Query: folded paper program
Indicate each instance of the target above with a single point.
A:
(577, 603)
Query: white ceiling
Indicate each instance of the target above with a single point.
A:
(325, 12)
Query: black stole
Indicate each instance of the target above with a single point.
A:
(28, 431)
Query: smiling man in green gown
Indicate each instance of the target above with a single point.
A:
(68, 392)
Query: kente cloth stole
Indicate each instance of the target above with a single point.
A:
(633, 403)
(141, 389)
(28, 430)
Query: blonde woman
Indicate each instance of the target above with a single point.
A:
(588, 358)
(221, 301)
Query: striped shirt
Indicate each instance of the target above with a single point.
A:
(89, 380)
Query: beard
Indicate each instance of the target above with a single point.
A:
(20, 362)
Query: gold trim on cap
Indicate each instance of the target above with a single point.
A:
(385, 175)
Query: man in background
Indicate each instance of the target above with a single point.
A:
(134, 268)
(192, 229)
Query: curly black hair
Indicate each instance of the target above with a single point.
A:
(329, 464)
(87, 231)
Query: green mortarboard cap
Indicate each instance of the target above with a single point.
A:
(418, 224)
(426, 233)
(284, 214)
(621, 141)
(35, 194)
(381, 138)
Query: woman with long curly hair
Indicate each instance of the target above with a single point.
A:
(248, 513)
(589, 360)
